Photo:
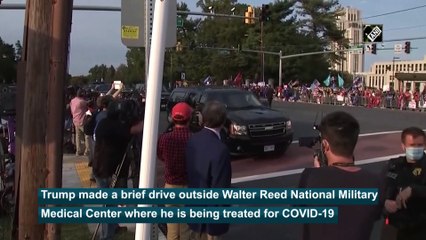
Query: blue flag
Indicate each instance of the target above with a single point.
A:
(340, 80)
(327, 81)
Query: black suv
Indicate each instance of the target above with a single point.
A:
(251, 127)
(165, 94)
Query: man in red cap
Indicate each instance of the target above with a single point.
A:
(171, 150)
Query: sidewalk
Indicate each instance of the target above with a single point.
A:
(76, 174)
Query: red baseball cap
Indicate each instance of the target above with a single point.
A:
(181, 112)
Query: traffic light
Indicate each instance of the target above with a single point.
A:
(373, 48)
(407, 47)
(249, 15)
(265, 14)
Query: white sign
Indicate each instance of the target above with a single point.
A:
(412, 104)
(398, 48)
(182, 76)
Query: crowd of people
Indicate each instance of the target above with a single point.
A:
(360, 96)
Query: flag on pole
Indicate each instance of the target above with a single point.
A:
(357, 82)
(207, 81)
(315, 84)
(327, 81)
(340, 80)
(238, 79)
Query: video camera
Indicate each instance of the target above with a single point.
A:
(311, 142)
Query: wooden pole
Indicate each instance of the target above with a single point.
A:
(33, 154)
(61, 27)
(20, 93)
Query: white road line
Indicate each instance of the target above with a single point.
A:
(369, 134)
(297, 171)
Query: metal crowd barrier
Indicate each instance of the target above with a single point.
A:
(361, 101)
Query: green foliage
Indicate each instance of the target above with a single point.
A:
(210, 44)
(8, 62)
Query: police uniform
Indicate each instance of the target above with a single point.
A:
(410, 222)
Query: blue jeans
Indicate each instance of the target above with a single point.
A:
(107, 230)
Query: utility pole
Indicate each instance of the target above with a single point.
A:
(61, 28)
(33, 155)
(20, 91)
(262, 54)
(280, 70)
(149, 10)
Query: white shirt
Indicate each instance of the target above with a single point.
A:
(215, 130)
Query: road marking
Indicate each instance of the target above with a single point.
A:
(300, 170)
(369, 134)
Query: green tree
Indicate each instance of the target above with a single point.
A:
(7, 63)
(319, 27)
(121, 73)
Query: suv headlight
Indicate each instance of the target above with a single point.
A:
(288, 124)
(236, 129)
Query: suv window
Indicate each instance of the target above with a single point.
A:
(234, 99)
(177, 96)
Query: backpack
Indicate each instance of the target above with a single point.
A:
(90, 124)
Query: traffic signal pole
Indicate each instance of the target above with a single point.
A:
(262, 54)
(152, 111)
(33, 172)
(280, 69)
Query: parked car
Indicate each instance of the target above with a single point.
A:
(251, 127)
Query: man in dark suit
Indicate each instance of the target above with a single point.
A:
(208, 165)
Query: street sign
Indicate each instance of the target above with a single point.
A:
(373, 33)
(132, 23)
(171, 38)
(182, 76)
(179, 22)
(398, 48)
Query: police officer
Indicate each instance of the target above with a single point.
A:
(405, 204)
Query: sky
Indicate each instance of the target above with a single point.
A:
(95, 36)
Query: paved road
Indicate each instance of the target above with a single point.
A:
(303, 117)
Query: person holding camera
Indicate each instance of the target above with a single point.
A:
(335, 168)
(405, 204)
(113, 135)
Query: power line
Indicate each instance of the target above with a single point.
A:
(404, 28)
(398, 11)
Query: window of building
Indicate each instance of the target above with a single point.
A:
(424, 67)
(415, 67)
(404, 68)
(420, 67)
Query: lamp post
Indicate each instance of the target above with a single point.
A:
(393, 72)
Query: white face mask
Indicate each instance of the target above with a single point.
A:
(414, 153)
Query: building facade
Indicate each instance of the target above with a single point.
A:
(382, 74)
(350, 21)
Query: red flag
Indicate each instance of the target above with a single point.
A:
(238, 79)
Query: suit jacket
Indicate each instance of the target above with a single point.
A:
(208, 166)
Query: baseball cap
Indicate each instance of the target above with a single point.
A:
(181, 112)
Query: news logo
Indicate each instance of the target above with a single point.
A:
(373, 33)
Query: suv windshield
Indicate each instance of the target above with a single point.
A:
(235, 99)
